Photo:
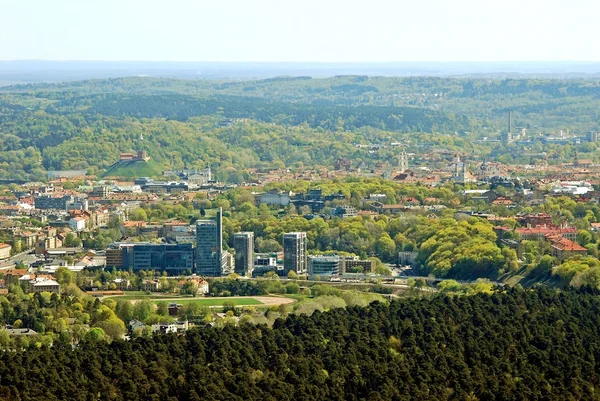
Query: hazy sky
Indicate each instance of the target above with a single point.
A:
(300, 30)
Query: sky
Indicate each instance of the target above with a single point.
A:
(300, 31)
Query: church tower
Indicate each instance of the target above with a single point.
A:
(403, 161)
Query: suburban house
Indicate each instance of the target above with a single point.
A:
(150, 285)
(122, 284)
(201, 284)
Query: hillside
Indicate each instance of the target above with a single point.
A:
(133, 169)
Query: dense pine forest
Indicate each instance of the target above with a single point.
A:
(511, 345)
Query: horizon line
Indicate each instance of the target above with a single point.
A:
(299, 62)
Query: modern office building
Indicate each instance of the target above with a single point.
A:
(264, 263)
(294, 252)
(209, 246)
(45, 202)
(324, 266)
(172, 258)
(243, 244)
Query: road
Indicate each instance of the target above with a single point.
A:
(24, 257)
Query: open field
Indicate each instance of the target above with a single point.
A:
(258, 301)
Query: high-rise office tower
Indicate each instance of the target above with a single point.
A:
(243, 243)
(209, 246)
(294, 252)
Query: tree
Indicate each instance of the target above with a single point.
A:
(386, 248)
(16, 247)
(5, 340)
(138, 214)
(292, 288)
(162, 308)
(292, 275)
(114, 327)
(96, 334)
(450, 286)
(124, 310)
(143, 309)
(70, 240)
(544, 265)
(584, 237)
(63, 275)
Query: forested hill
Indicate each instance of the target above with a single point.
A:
(328, 117)
(288, 121)
(518, 345)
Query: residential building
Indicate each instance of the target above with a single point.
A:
(324, 266)
(12, 276)
(275, 198)
(122, 284)
(101, 191)
(377, 197)
(78, 204)
(539, 233)
(344, 211)
(243, 244)
(209, 246)
(77, 224)
(349, 263)
(44, 285)
(5, 251)
(295, 252)
(176, 327)
(21, 332)
(535, 220)
(563, 248)
(201, 285)
(150, 285)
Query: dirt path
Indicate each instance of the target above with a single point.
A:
(275, 300)
(266, 300)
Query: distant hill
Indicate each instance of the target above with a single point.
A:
(133, 169)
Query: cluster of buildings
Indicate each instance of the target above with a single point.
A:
(31, 282)
(539, 227)
(314, 199)
(207, 257)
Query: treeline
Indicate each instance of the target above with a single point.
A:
(514, 345)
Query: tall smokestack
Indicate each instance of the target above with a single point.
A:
(509, 122)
